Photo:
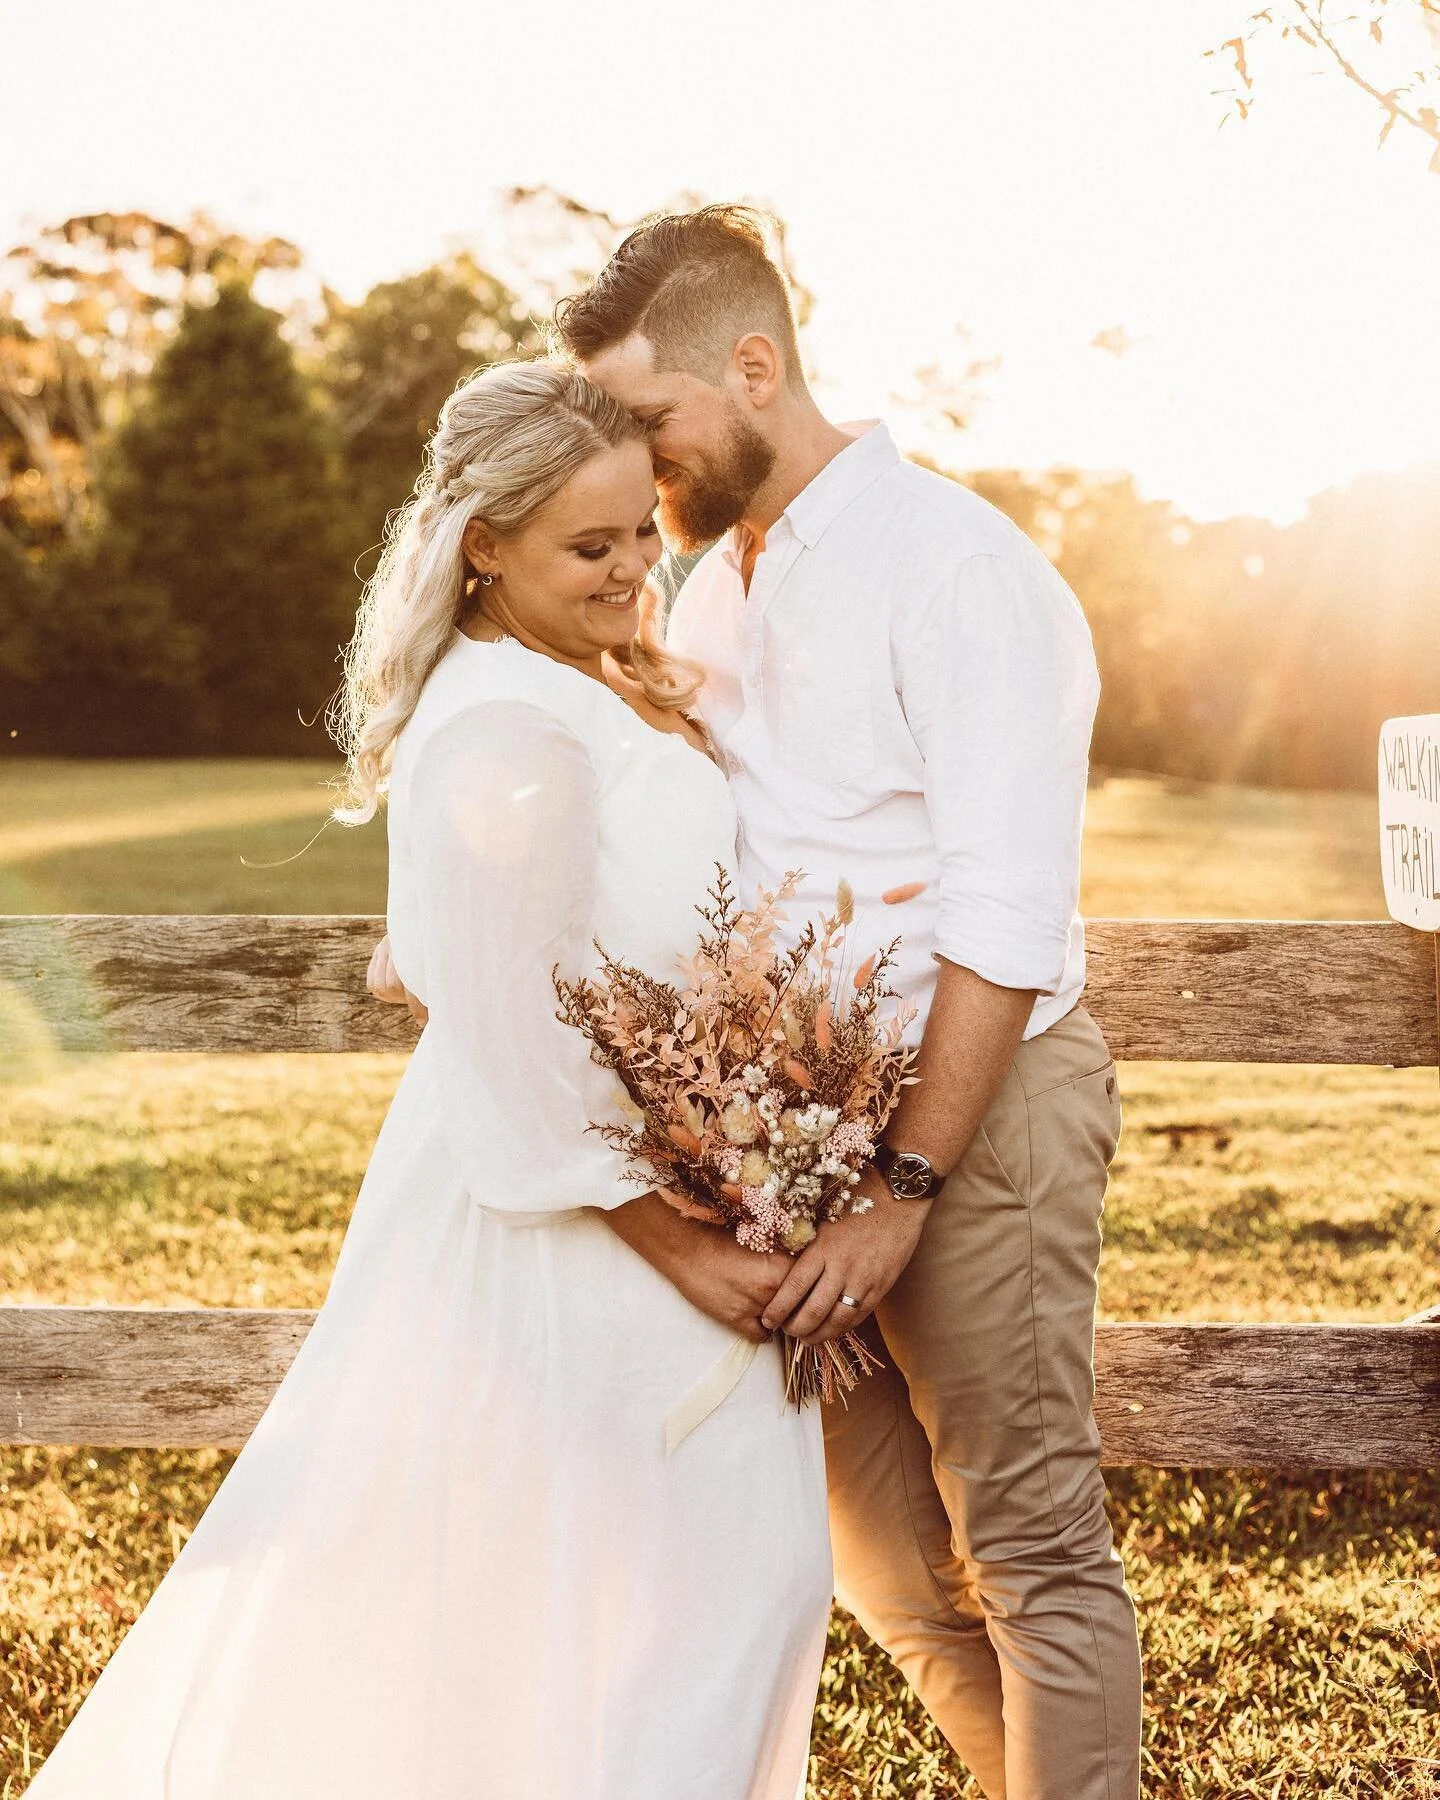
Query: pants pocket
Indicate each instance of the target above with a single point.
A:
(1097, 1096)
(1004, 1137)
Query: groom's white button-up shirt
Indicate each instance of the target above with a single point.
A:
(906, 695)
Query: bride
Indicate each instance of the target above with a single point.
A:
(455, 1560)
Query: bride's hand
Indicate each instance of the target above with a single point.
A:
(727, 1283)
(730, 1283)
(383, 980)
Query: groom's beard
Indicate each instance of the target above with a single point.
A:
(697, 509)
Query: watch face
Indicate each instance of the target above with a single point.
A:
(910, 1176)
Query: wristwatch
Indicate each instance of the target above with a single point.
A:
(910, 1175)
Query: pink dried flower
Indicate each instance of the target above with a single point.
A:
(850, 1140)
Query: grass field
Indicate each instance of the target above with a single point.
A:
(1291, 1625)
(231, 836)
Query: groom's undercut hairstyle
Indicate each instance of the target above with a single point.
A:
(692, 285)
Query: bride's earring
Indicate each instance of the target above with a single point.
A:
(487, 581)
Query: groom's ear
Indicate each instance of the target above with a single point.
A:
(758, 363)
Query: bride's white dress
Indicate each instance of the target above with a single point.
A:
(454, 1561)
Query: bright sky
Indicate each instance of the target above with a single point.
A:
(1039, 172)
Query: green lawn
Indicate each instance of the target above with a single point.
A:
(1291, 1624)
(220, 836)
(234, 836)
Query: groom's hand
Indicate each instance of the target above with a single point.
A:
(971, 1037)
(859, 1256)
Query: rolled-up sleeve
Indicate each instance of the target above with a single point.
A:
(998, 679)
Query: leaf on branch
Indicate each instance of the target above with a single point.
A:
(1237, 45)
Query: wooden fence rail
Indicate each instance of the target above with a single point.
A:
(1203, 1395)
(1170, 990)
(1217, 1396)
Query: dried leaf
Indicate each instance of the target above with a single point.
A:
(692, 1209)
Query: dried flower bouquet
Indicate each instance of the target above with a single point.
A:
(756, 1093)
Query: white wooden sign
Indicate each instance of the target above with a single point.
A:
(1410, 819)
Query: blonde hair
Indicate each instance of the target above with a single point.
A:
(508, 440)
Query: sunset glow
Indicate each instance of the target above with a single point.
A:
(1241, 315)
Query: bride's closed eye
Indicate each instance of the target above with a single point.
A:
(594, 552)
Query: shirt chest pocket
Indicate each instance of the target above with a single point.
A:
(825, 718)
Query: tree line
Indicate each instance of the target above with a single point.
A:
(199, 446)
(194, 484)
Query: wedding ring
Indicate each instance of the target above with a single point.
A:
(846, 1300)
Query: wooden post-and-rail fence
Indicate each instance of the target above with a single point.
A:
(1364, 1396)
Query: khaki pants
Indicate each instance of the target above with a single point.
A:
(967, 1505)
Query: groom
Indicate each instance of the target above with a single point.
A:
(902, 689)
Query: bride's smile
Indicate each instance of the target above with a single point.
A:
(569, 581)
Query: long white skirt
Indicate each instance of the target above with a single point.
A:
(454, 1560)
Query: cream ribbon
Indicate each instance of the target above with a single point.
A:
(710, 1391)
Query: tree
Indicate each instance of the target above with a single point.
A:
(1163, 609)
(84, 307)
(221, 534)
(949, 393)
(1241, 650)
(1359, 46)
(391, 362)
(1353, 609)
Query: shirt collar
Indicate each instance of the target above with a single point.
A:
(843, 479)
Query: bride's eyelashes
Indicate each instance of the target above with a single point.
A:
(595, 552)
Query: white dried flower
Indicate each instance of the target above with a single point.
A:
(738, 1123)
(754, 1168)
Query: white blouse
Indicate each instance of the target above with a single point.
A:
(528, 793)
